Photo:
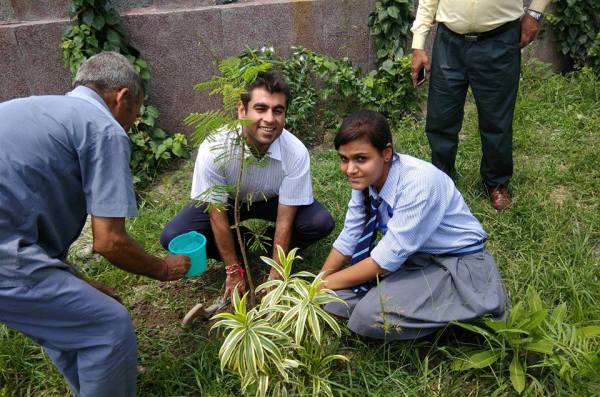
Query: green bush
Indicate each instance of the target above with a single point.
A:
(281, 347)
(576, 24)
(98, 27)
(533, 339)
(324, 90)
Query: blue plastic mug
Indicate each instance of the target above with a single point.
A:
(192, 244)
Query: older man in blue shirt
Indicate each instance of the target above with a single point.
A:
(61, 158)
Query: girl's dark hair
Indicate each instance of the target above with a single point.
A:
(364, 124)
(271, 81)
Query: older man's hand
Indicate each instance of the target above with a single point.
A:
(529, 30)
(420, 60)
(175, 267)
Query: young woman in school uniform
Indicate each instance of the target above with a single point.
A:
(429, 265)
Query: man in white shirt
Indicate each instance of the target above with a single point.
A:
(477, 45)
(276, 183)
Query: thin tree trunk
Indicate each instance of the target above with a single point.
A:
(236, 217)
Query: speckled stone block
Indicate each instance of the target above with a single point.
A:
(180, 49)
(42, 57)
(41, 9)
(124, 5)
(178, 4)
(6, 12)
(13, 83)
(345, 30)
(255, 25)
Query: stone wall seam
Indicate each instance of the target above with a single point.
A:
(21, 57)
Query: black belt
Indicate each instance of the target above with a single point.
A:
(479, 36)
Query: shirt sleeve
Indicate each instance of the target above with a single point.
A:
(417, 214)
(106, 176)
(538, 5)
(208, 175)
(424, 20)
(354, 225)
(296, 186)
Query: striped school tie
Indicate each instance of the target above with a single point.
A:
(367, 239)
(365, 244)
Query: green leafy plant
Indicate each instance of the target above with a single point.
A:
(575, 23)
(279, 347)
(594, 55)
(325, 89)
(97, 27)
(389, 24)
(534, 339)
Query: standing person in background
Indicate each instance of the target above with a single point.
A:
(477, 45)
(62, 158)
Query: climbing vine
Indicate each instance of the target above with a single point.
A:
(97, 26)
(576, 24)
(389, 24)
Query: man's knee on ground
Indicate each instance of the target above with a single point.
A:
(168, 234)
(320, 225)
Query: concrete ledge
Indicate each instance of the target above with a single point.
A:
(181, 45)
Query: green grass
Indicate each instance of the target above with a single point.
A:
(549, 239)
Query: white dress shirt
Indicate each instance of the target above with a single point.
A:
(284, 171)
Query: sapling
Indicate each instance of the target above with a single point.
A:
(231, 84)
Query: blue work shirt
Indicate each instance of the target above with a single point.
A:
(421, 211)
(61, 158)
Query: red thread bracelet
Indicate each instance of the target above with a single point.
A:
(236, 268)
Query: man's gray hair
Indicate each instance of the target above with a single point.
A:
(109, 71)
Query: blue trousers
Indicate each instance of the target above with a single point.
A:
(87, 334)
(312, 223)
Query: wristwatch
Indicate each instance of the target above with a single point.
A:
(534, 14)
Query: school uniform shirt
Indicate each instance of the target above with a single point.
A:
(61, 158)
(421, 211)
(284, 171)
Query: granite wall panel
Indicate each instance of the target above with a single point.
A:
(42, 57)
(41, 9)
(181, 49)
(13, 82)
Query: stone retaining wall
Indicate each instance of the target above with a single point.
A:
(181, 39)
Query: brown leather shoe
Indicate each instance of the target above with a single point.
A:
(499, 197)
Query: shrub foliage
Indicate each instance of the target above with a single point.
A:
(576, 24)
(325, 89)
(97, 27)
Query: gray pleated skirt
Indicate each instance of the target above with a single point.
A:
(425, 294)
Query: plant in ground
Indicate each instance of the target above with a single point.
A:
(533, 339)
(98, 27)
(279, 347)
(231, 84)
